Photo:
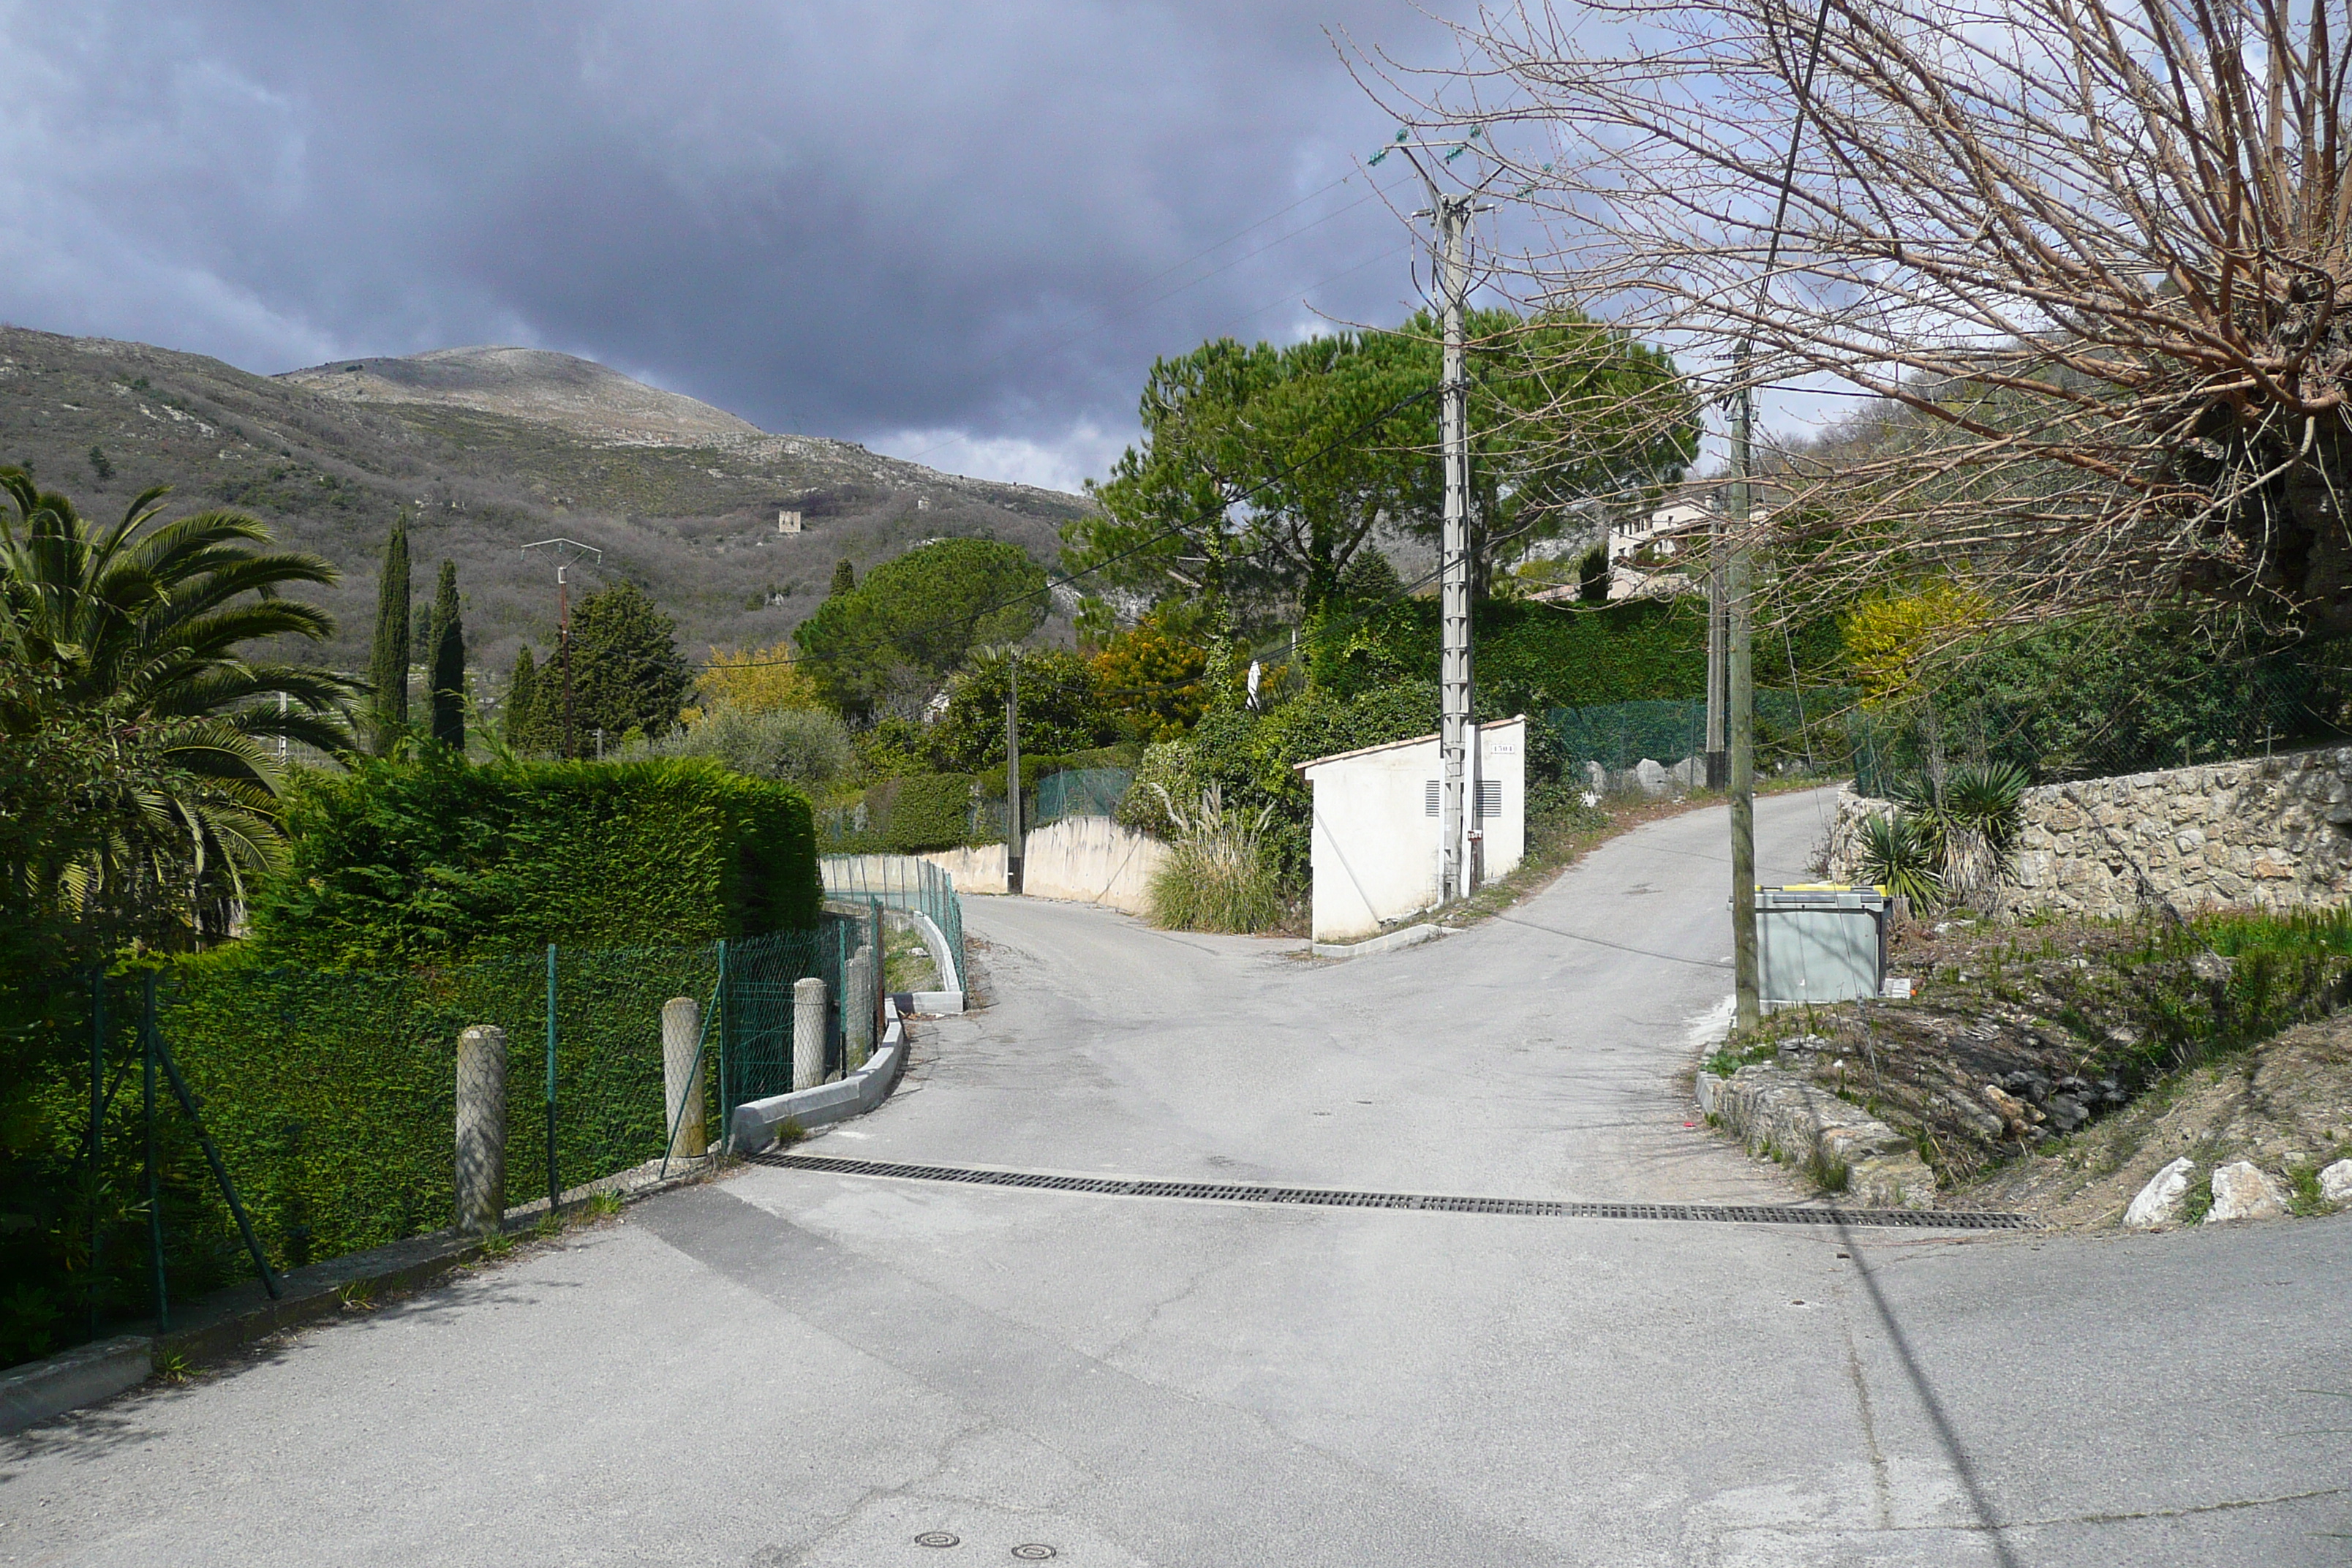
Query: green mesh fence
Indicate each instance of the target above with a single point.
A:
(2262, 710)
(1081, 792)
(322, 1105)
(903, 882)
(1792, 728)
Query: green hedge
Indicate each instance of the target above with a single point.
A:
(1533, 656)
(408, 862)
(902, 816)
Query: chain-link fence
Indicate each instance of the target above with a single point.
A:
(2263, 711)
(221, 1118)
(903, 882)
(1081, 792)
(1793, 729)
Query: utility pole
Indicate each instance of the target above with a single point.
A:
(567, 550)
(1457, 868)
(1456, 738)
(1742, 702)
(1718, 761)
(1013, 837)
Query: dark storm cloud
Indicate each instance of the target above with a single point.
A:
(856, 220)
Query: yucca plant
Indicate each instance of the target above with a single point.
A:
(1896, 857)
(1215, 877)
(1970, 827)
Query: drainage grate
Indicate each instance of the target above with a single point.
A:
(1324, 1197)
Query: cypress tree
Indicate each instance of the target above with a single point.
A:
(522, 703)
(388, 667)
(627, 672)
(845, 578)
(448, 667)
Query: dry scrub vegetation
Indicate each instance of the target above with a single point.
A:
(2054, 1065)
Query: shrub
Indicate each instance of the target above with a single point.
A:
(423, 860)
(1970, 827)
(1896, 857)
(1215, 877)
(801, 746)
(903, 817)
(1060, 710)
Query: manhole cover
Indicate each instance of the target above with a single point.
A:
(937, 1537)
(1032, 1553)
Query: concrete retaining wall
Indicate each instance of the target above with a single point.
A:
(1091, 860)
(1086, 859)
(2271, 832)
(974, 869)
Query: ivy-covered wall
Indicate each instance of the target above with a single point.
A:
(405, 862)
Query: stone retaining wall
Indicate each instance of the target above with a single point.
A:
(1768, 1105)
(2269, 832)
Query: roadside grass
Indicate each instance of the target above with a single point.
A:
(906, 958)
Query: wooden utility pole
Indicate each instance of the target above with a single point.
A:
(1741, 704)
(1718, 747)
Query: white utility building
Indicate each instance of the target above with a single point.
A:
(1377, 817)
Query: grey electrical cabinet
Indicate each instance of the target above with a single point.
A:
(1820, 943)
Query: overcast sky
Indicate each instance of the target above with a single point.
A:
(954, 231)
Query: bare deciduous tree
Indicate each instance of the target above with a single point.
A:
(2093, 258)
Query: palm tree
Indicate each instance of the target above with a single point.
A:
(138, 629)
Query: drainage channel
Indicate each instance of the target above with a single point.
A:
(1326, 1197)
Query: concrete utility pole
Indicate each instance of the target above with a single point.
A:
(1456, 738)
(1457, 868)
(1013, 775)
(567, 550)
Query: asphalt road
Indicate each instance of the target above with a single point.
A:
(791, 1367)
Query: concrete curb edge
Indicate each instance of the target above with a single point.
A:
(1386, 941)
(757, 1123)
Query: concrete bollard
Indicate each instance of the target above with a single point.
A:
(681, 1026)
(858, 1009)
(481, 1129)
(811, 1021)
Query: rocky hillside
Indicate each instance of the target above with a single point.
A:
(493, 448)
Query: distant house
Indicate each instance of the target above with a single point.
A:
(788, 522)
(1660, 553)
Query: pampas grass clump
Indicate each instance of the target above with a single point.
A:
(1215, 877)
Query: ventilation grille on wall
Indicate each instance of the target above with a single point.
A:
(1490, 797)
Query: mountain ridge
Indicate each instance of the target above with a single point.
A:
(487, 449)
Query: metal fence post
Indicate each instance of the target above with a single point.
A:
(555, 1185)
(163, 1048)
(97, 1123)
(154, 1208)
(726, 1018)
(858, 1009)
